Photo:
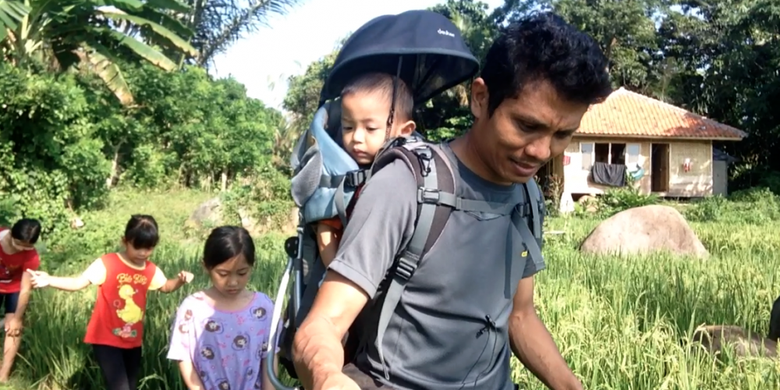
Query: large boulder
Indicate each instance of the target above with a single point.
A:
(643, 230)
(210, 214)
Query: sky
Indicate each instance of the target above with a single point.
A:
(265, 59)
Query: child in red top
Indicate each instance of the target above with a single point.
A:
(116, 327)
(17, 253)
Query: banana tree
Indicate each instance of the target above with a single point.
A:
(94, 35)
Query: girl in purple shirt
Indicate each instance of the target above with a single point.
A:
(220, 334)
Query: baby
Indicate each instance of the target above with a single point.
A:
(365, 108)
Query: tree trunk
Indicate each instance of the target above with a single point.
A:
(224, 179)
(114, 167)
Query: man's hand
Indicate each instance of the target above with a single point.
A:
(13, 327)
(39, 278)
(337, 381)
(185, 277)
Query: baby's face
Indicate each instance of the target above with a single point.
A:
(363, 124)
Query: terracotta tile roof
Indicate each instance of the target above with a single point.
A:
(629, 114)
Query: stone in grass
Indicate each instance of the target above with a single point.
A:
(744, 343)
(715, 338)
(643, 230)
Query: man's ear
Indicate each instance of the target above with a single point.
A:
(479, 98)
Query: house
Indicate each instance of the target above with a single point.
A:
(668, 150)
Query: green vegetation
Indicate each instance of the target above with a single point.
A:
(110, 110)
(619, 322)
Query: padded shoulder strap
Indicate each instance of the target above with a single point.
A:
(528, 219)
(431, 172)
(536, 206)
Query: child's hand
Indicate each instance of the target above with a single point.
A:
(38, 278)
(13, 327)
(185, 277)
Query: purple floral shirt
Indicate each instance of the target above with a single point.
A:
(226, 348)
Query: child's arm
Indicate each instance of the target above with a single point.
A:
(327, 242)
(24, 292)
(190, 376)
(267, 378)
(42, 279)
(161, 282)
(94, 274)
(172, 285)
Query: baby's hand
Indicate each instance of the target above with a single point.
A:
(38, 278)
(185, 277)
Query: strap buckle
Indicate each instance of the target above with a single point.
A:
(355, 178)
(428, 195)
(406, 267)
(424, 156)
(524, 209)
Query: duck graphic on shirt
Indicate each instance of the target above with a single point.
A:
(130, 314)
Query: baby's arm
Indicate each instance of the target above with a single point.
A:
(327, 242)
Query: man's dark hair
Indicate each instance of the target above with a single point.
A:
(26, 230)
(543, 46)
(383, 83)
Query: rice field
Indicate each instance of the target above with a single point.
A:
(619, 322)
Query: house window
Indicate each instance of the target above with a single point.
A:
(632, 154)
(586, 152)
(609, 153)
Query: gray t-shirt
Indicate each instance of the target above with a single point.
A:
(449, 330)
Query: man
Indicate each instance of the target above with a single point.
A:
(17, 254)
(462, 312)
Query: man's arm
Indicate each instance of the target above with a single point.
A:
(532, 343)
(380, 224)
(317, 348)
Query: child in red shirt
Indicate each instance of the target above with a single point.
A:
(116, 327)
(17, 253)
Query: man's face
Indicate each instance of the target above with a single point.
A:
(523, 133)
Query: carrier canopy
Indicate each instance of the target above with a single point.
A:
(434, 55)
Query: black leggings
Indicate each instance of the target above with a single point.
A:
(120, 366)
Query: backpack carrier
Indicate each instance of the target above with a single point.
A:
(425, 50)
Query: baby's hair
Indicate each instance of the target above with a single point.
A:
(227, 242)
(376, 82)
(27, 230)
(142, 232)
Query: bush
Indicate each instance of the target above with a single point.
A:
(615, 200)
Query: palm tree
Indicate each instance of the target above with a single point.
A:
(89, 35)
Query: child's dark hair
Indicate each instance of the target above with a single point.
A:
(142, 232)
(383, 83)
(27, 230)
(227, 242)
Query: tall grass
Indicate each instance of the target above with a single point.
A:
(620, 323)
